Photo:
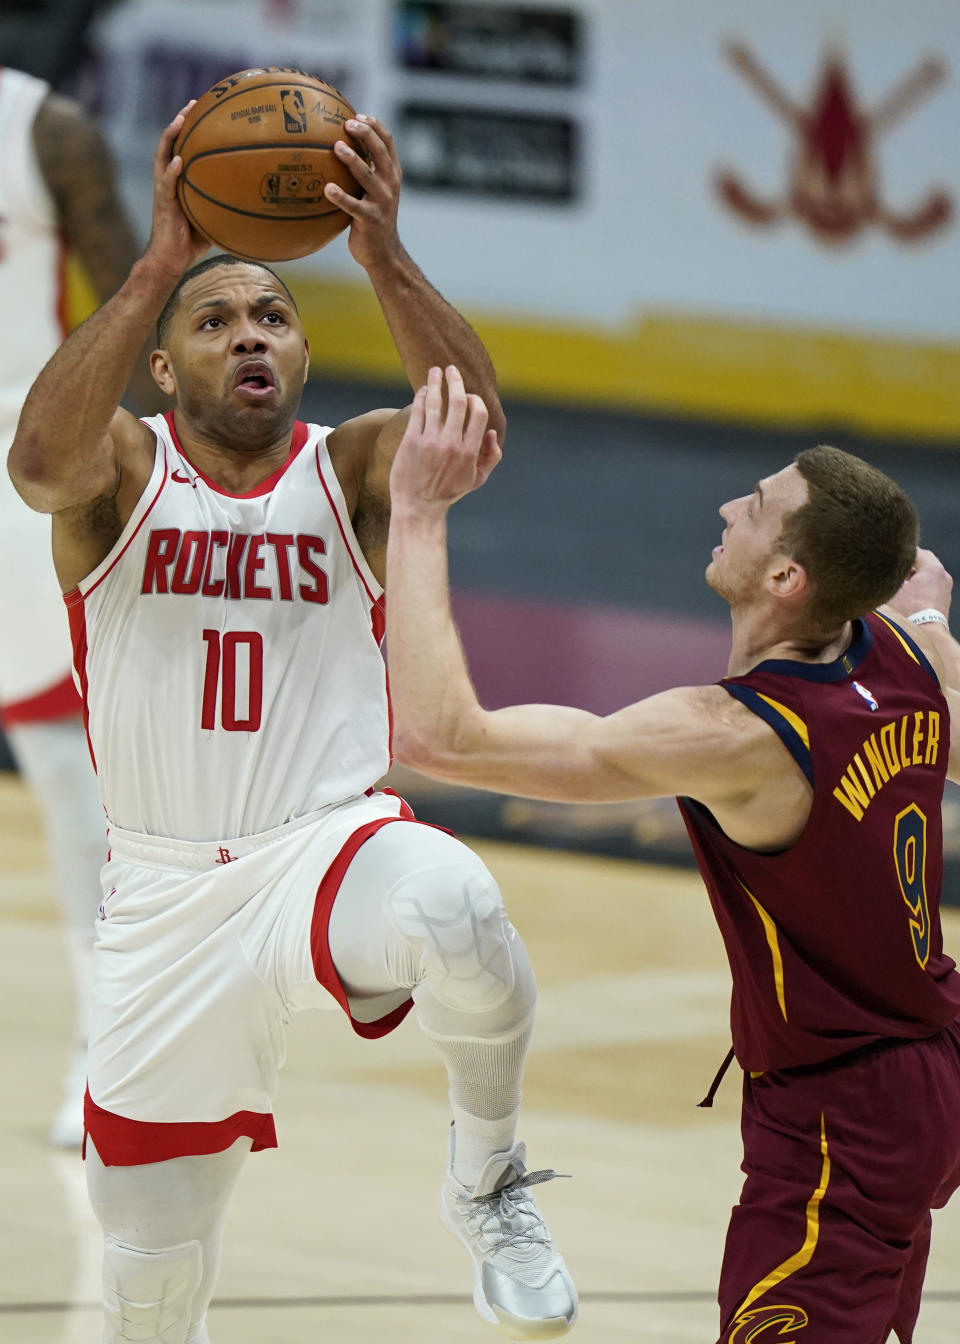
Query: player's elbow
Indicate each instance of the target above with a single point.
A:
(437, 749)
(415, 747)
(29, 470)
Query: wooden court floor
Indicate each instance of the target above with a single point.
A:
(335, 1236)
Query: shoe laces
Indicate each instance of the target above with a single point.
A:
(509, 1216)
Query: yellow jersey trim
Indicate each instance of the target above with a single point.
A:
(890, 626)
(805, 1253)
(794, 720)
(773, 942)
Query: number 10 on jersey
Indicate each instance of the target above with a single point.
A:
(229, 656)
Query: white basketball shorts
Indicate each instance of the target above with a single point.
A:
(204, 951)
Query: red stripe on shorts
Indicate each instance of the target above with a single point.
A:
(323, 966)
(122, 1142)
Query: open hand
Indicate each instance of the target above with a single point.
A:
(443, 456)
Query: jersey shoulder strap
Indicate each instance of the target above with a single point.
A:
(785, 722)
(909, 645)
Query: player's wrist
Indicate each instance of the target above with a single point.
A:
(930, 616)
(419, 515)
(153, 279)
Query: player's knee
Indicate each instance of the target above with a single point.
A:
(452, 915)
(147, 1294)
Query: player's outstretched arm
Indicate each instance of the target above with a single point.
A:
(74, 442)
(690, 740)
(426, 329)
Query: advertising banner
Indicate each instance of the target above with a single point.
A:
(736, 210)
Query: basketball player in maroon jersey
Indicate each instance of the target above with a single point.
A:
(223, 569)
(810, 780)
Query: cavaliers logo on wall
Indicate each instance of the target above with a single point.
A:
(834, 184)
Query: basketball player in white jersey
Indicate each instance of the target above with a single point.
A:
(223, 571)
(56, 189)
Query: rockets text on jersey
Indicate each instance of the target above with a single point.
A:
(227, 650)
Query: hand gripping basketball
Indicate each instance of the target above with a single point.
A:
(376, 169)
(174, 244)
(443, 456)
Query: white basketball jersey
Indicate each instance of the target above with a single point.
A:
(34, 647)
(227, 651)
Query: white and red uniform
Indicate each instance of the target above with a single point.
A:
(35, 682)
(227, 650)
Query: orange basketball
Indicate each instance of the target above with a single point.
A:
(257, 152)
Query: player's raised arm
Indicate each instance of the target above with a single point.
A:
(924, 602)
(73, 441)
(694, 740)
(426, 329)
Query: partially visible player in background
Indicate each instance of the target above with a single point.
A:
(57, 192)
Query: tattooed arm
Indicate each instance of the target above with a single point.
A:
(78, 168)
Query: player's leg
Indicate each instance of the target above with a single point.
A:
(163, 1227)
(907, 1310)
(55, 760)
(843, 1165)
(418, 911)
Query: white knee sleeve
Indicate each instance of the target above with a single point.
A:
(147, 1294)
(452, 918)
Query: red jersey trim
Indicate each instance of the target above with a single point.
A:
(300, 435)
(343, 532)
(60, 701)
(78, 593)
(378, 615)
(76, 614)
(122, 1142)
(323, 966)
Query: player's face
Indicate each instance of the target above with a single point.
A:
(237, 355)
(753, 523)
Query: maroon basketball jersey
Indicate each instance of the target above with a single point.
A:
(835, 942)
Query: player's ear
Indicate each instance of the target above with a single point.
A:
(306, 359)
(162, 372)
(787, 577)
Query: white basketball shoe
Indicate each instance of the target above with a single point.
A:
(520, 1282)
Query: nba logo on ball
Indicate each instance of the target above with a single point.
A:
(258, 150)
(294, 115)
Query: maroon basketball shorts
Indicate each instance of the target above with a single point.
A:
(844, 1162)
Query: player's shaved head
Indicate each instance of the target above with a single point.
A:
(208, 264)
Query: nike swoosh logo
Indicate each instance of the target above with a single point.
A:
(182, 480)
